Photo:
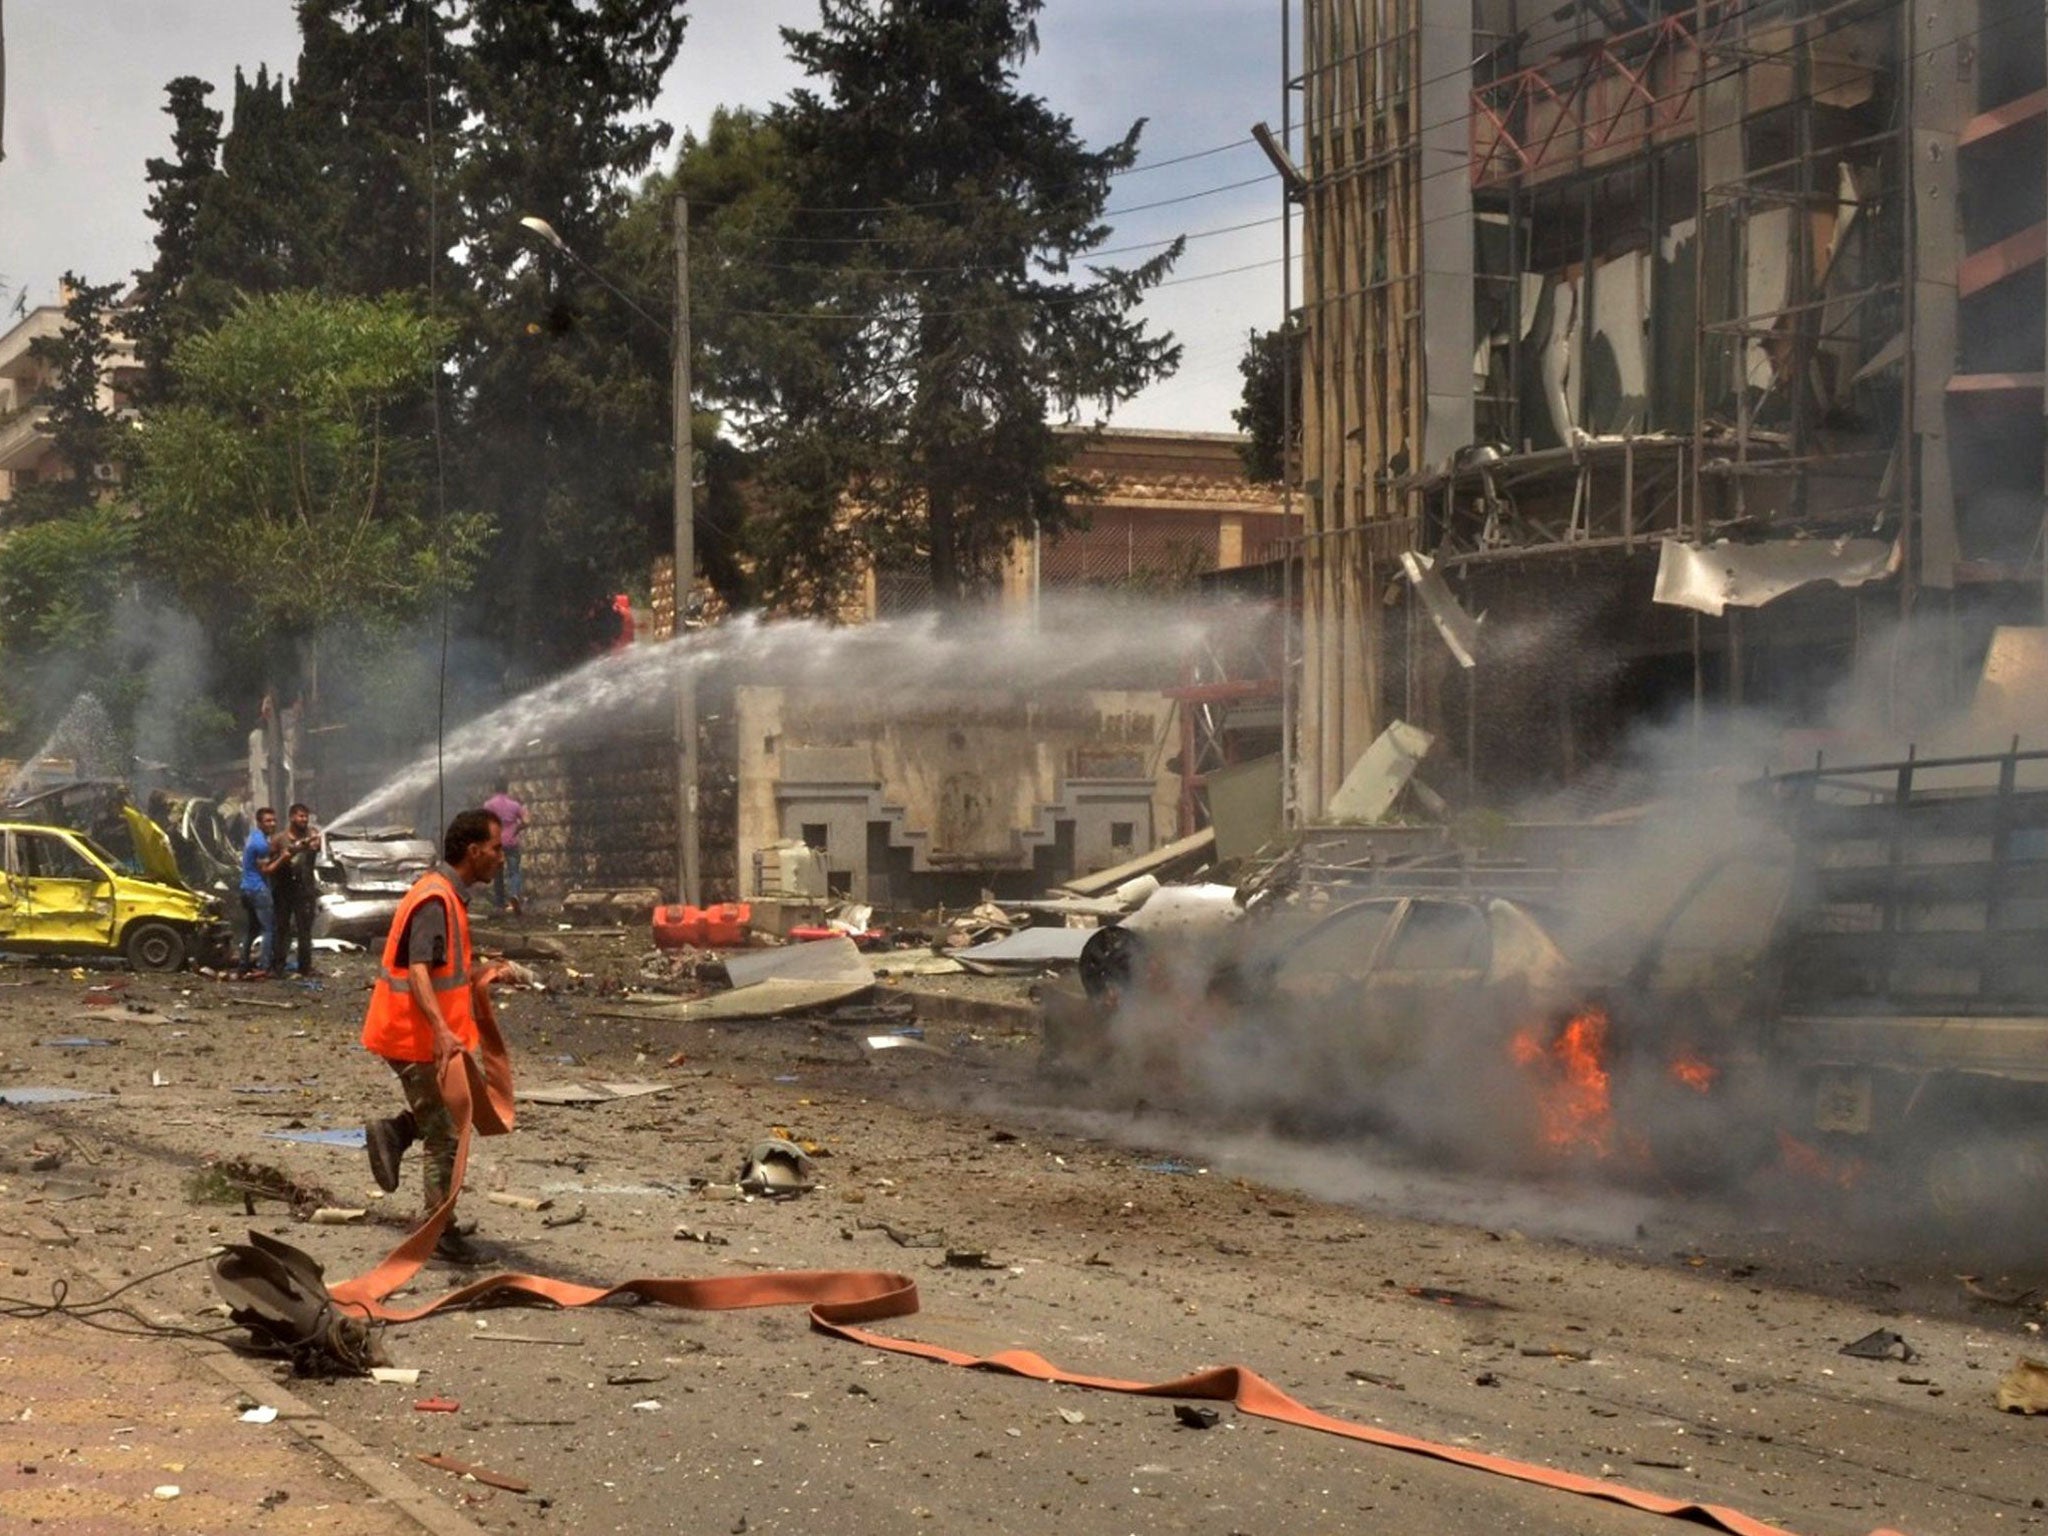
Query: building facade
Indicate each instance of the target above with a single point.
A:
(1656, 355)
(26, 447)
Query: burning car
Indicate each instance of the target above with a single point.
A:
(63, 893)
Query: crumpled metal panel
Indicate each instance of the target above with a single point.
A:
(1712, 578)
(1459, 629)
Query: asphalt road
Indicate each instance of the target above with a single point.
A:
(1689, 1350)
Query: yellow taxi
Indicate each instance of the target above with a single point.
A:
(62, 893)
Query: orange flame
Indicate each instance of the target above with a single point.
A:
(1812, 1163)
(1695, 1073)
(1574, 1102)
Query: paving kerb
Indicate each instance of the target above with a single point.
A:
(398, 1503)
(979, 1012)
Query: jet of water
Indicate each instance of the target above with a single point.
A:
(1072, 643)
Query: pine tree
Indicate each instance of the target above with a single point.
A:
(177, 186)
(85, 433)
(939, 214)
(565, 388)
(378, 87)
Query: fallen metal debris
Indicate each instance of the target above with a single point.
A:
(349, 1136)
(777, 1167)
(1028, 949)
(279, 1294)
(1880, 1344)
(24, 1096)
(470, 1470)
(1192, 1417)
(589, 1093)
(1712, 578)
(1444, 1297)
(1376, 780)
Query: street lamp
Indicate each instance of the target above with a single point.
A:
(687, 871)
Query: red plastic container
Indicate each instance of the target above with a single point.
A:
(723, 926)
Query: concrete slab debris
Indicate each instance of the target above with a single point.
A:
(1376, 780)
(1183, 853)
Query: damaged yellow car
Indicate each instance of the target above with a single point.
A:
(62, 893)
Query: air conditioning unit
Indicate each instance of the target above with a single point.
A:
(790, 871)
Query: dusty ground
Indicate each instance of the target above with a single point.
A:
(1687, 1350)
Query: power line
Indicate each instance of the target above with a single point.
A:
(1062, 296)
(1090, 255)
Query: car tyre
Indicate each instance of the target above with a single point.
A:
(155, 947)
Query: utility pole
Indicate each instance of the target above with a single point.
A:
(688, 883)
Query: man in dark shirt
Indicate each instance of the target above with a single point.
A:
(295, 889)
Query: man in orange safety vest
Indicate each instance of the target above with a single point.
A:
(424, 1009)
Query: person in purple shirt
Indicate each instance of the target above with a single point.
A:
(507, 888)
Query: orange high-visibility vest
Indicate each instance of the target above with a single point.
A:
(397, 1027)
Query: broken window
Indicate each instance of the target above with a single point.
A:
(1439, 936)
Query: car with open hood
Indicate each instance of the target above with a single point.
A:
(62, 892)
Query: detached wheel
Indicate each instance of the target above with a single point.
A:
(154, 947)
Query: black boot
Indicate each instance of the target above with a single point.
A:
(386, 1141)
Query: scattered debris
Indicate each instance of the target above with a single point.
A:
(590, 1093)
(349, 1136)
(1448, 1298)
(469, 1470)
(1880, 1344)
(1376, 1379)
(708, 1239)
(437, 1405)
(262, 1415)
(23, 1096)
(2024, 1388)
(902, 1042)
(1028, 949)
(777, 1167)
(567, 1220)
(2016, 1299)
(1193, 1417)
(971, 1258)
(396, 1375)
(337, 1215)
(277, 1292)
(1072, 1416)
(518, 1202)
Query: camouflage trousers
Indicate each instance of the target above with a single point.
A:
(433, 1126)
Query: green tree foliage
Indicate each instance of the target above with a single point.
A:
(263, 223)
(913, 313)
(378, 85)
(1261, 416)
(275, 495)
(564, 388)
(85, 434)
(177, 187)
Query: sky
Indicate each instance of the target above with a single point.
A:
(84, 105)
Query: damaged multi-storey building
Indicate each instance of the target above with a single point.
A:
(1659, 354)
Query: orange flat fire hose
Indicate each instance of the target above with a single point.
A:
(479, 1095)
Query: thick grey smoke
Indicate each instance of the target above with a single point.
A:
(1667, 941)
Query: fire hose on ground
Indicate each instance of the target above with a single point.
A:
(840, 1303)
